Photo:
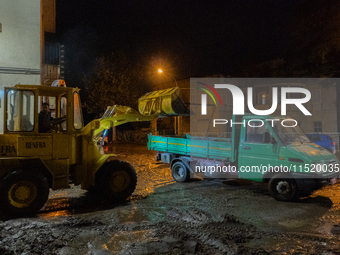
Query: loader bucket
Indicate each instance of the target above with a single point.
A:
(164, 102)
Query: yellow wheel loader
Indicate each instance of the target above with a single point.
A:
(32, 162)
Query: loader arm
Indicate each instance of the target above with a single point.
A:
(114, 116)
(118, 115)
(151, 105)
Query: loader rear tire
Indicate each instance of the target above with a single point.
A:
(23, 193)
(117, 180)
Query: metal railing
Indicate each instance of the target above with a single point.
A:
(53, 63)
(212, 134)
(334, 135)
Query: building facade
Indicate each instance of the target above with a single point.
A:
(23, 25)
(323, 105)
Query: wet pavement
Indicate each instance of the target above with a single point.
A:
(208, 216)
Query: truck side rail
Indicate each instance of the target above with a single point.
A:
(202, 147)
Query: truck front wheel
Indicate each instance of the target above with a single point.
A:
(283, 188)
(117, 180)
(23, 193)
(180, 172)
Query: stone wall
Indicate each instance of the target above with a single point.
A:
(130, 136)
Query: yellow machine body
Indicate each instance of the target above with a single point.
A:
(69, 151)
(33, 159)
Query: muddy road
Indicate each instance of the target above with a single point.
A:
(208, 216)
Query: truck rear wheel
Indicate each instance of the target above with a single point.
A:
(117, 180)
(283, 188)
(180, 173)
(23, 193)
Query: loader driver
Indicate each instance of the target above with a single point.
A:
(46, 121)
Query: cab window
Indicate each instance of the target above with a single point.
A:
(256, 131)
(52, 111)
(78, 116)
(20, 110)
(63, 111)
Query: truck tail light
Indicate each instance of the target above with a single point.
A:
(333, 143)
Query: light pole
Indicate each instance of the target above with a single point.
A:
(161, 71)
(177, 119)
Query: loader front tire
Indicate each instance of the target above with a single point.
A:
(23, 193)
(117, 180)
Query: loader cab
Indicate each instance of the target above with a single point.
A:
(23, 103)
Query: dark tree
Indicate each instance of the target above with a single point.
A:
(316, 45)
(113, 81)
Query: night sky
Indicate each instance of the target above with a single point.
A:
(197, 38)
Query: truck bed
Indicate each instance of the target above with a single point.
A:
(202, 147)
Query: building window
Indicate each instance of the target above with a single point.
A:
(229, 98)
(316, 96)
(261, 95)
(296, 95)
(317, 127)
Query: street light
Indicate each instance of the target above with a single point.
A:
(161, 71)
(177, 119)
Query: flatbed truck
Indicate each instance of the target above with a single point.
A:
(261, 149)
